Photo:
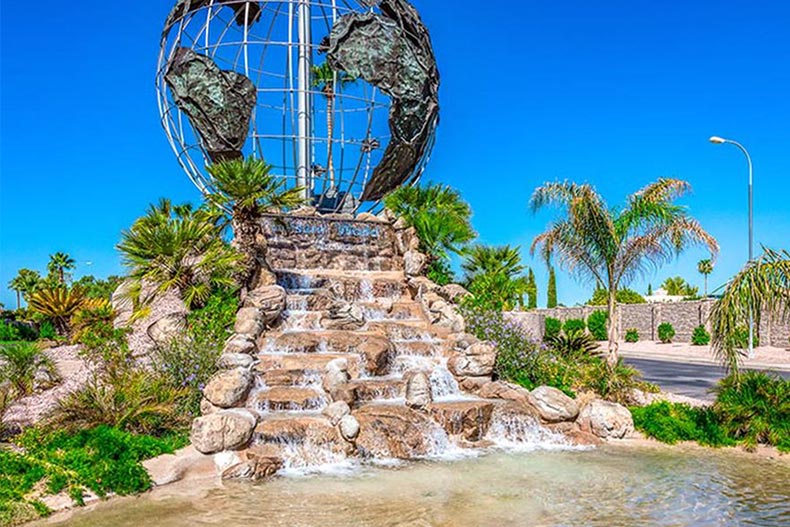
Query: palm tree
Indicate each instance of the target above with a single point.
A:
(705, 267)
(180, 248)
(24, 283)
(441, 218)
(58, 264)
(58, 304)
(610, 246)
(492, 272)
(762, 286)
(330, 81)
(246, 188)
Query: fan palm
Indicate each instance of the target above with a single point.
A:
(21, 362)
(59, 263)
(247, 189)
(24, 283)
(763, 286)
(610, 247)
(441, 218)
(330, 81)
(705, 267)
(180, 248)
(492, 273)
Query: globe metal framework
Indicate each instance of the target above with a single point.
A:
(238, 77)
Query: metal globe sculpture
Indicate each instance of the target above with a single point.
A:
(339, 96)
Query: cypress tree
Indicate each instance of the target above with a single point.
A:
(552, 290)
(532, 290)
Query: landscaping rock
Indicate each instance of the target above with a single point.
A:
(418, 389)
(249, 322)
(335, 374)
(222, 430)
(269, 300)
(377, 352)
(344, 316)
(254, 466)
(553, 405)
(477, 360)
(395, 431)
(414, 263)
(453, 293)
(228, 361)
(240, 344)
(336, 411)
(606, 419)
(469, 419)
(228, 387)
(167, 328)
(349, 427)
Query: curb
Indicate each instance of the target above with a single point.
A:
(703, 361)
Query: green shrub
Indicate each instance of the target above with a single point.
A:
(11, 330)
(624, 296)
(574, 324)
(552, 327)
(666, 332)
(673, 422)
(700, 337)
(741, 338)
(187, 366)
(101, 460)
(596, 323)
(613, 384)
(440, 272)
(572, 343)
(754, 407)
(20, 363)
(214, 321)
(47, 331)
(631, 335)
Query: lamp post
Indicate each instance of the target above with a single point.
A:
(720, 141)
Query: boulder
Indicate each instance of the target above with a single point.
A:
(343, 315)
(377, 352)
(336, 411)
(574, 434)
(506, 391)
(418, 389)
(222, 430)
(167, 328)
(335, 374)
(269, 300)
(263, 278)
(453, 293)
(227, 388)
(469, 419)
(461, 341)
(420, 285)
(122, 304)
(606, 419)
(477, 360)
(395, 431)
(207, 408)
(240, 344)
(349, 427)
(228, 361)
(552, 405)
(414, 263)
(254, 466)
(249, 322)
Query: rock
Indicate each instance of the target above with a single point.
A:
(185, 464)
(395, 431)
(420, 285)
(336, 411)
(343, 315)
(472, 384)
(349, 427)
(453, 293)
(367, 216)
(249, 322)
(574, 434)
(122, 304)
(227, 388)
(207, 408)
(400, 224)
(167, 328)
(335, 374)
(418, 389)
(263, 278)
(254, 466)
(388, 216)
(269, 300)
(377, 353)
(414, 263)
(477, 360)
(470, 419)
(222, 430)
(304, 210)
(240, 344)
(553, 405)
(606, 419)
(506, 391)
(228, 361)
(461, 341)
(345, 392)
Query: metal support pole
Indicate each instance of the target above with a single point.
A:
(303, 67)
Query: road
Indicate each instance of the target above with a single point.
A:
(692, 380)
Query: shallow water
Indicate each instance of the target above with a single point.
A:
(609, 487)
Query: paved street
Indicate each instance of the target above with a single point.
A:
(692, 380)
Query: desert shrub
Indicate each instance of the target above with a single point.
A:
(552, 327)
(95, 313)
(666, 332)
(21, 363)
(187, 366)
(57, 304)
(596, 323)
(754, 407)
(574, 324)
(214, 321)
(101, 460)
(631, 335)
(673, 422)
(613, 384)
(700, 337)
(572, 343)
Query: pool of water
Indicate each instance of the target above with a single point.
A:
(607, 487)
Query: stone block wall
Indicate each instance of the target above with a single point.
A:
(645, 318)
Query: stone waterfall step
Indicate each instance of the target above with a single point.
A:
(372, 389)
(404, 329)
(383, 309)
(288, 398)
(421, 348)
(290, 377)
(293, 427)
(469, 419)
(309, 362)
(344, 286)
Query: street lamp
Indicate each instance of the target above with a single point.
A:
(716, 140)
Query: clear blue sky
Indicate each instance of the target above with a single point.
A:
(613, 93)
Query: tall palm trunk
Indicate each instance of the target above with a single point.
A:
(330, 128)
(60, 273)
(612, 353)
(18, 300)
(245, 229)
(705, 277)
